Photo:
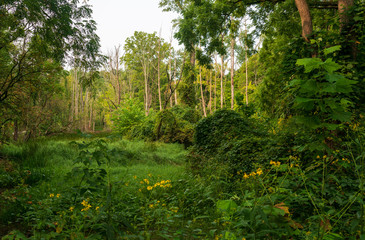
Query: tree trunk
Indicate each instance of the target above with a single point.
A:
(76, 96)
(210, 92)
(345, 28)
(201, 92)
(343, 6)
(146, 90)
(246, 60)
(222, 58)
(158, 72)
(232, 72)
(305, 18)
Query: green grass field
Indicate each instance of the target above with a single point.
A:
(146, 192)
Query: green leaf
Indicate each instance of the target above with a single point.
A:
(309, 63)
(341, 116)
(331, 126)
(330, 66)
(332, 49)
(228, 206)
(304, 100)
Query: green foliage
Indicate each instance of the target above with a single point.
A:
(323, 96)
(127, 117)
(176, 125)
(226, 138)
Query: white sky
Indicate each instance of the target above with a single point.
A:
(118, 19)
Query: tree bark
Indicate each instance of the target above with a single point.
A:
(222, 58)
(246, 60)
(201, 92)
(158, 72)
(343, 7)
(210, 91)
(305, 18)
(232, 72)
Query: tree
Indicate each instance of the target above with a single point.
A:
(36, 39)
(144, 50)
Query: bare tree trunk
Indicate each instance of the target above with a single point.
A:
(215, 82)
(246, 59)
(210, 92)
(158, 72)
(117, 74)
(85, 115)
(305, 18)
(72, 110)
(76, 96)
(232, 72)
(146, 90)
(222, 90)
(81, 100)
(91, 116)
(246, 62)
(201, 92)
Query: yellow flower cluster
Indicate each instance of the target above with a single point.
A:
(174, 209)
(156, 204)
(145, 181)
(52, 195)
(72, 209)
(86, 205)
(253, 174)
(162, 184)
(343, 159)
(276, 164)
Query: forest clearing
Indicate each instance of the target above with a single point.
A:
(251, 127)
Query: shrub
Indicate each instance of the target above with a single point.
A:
(226, 138)
(128, 116)
(176, 125)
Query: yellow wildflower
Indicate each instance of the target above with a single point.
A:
(72, 208)
(149, 188)
(151, 206)
(51, 195)
(150, 175)
(245, 176)
(259, 171)
(58, 195)
(97, 208)
(135, 177)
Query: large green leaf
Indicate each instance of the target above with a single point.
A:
(227, 206)
(310, 63)
(341, 116)
(332, 49)
(330, 66)
(304, 100)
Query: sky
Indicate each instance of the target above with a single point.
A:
(119, 19)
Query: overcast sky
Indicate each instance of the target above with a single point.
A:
(118, 19)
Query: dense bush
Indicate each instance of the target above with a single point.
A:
(226, 137)
(176, 125)
(128, 116)
(239, 143)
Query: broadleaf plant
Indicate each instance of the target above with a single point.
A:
(322, 97)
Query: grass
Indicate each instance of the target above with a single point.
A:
(41, 168)
(146, 192)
